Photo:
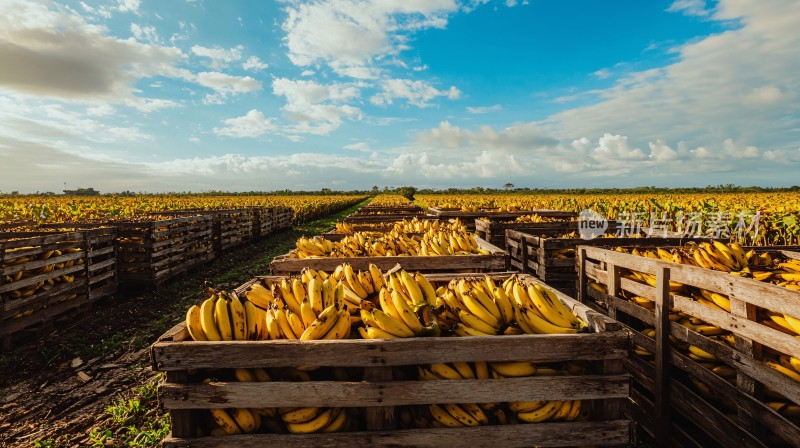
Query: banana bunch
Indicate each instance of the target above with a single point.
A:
(784, 323)
(313, 247)
(14, 273)
(403, 309)
(304, 420)
(223, 317)
(320, 317)
(475, 307)
(449, 243)
(461, 415)
(416, 225)
(358, 285)
(538, 309)
(534, 218)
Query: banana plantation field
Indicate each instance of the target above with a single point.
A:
(104, 208)
(759, 218)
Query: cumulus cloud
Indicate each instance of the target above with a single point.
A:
(252, 124)
(254, 64)
(417, 93)
(316, 108)
(689, 7)
(349, 35)
(484, 109)
(225, 85)
(219, 57)
(57, 53)
(146, 33)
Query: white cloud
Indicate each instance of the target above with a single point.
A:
(225, 85)
(484, 109)
(689, 7)
(220, 57)
(253, 63)
(603, 73)
(145, 33)
(252, 124)
(360, 146)
(764, 96)
(351, 34)
(128, 6)
(316, 108)
(417, 93)
(59, 54)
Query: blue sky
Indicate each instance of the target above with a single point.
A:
(241, 95)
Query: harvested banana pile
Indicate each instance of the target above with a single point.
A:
(394, 243)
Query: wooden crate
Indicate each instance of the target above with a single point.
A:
(664, 402)
(282, 218)
(262, 221)
(150, 252)
(412, 209)
(469, 217)
(34, 289)
(496, 260)
(379, 392)
(355, 218)
(536, 255)
(101, 255)
(232, 228)
(493, 230)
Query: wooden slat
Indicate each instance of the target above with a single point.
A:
(393, 352)
(391, 393)
(539, 434)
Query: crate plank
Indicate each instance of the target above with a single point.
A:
(539, 434)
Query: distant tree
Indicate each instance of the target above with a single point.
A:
(407, 192)
(508, 186)
(374, 188)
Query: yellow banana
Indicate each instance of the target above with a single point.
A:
(541, 326)
(207, 322)
(299, 415)
(338, 421)
(464, 370)
(444, 417)
(223, 319)
(238, 319)
(526, 406)
(475, 307)
(391, 325)
(406, 313)
(461, 415)
(244, 419)
(353, 282)
(225, 421)
(546, 309)
(315, 295)
(414, 291)
(259, 296)
(377, 276)
(254, 323)
(244, 375)
(445, 371)
(321, 325)
(793, 322)
(341, 328)
(283, 323)
(374, 333)
(475, 322)
(314, 425)
(307, 314)
(194, 325)
(296, 322)
(427, 288)
(513, 369)
(542, 414)
(503, 304)
(788, 372)
(463, 330)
